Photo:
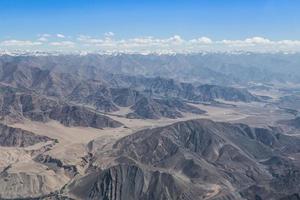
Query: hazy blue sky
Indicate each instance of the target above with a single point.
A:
(150, 26)
(218, 19)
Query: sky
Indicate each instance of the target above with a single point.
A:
(140, 25)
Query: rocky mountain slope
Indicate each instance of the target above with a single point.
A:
(15, 137)
(157, 108)
(198, 159)
(16, 106)
(292, 123)
(226, 93)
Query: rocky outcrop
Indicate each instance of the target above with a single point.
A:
(56, 164)
(35, 78)
(156, 108)
(80, 116)
(293, 123)
(30, 185)
(150, 109)
(125, 96)
(15, 137)
(17, 106)
(291, 102)
(226, 93)
(93, 93)
(127, 182)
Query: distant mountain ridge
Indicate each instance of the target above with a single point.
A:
(109, 92)
(212, 68)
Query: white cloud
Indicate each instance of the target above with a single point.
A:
(248, 42)
(43, 39)
(289, 42)
(67, 44)
(258, 40)
(109, 34)
(176, 39)
(178, 44)
(152, 44)
(19, 43)
(202, 40)
(60, 35)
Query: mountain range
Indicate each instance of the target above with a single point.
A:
(210, 126)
